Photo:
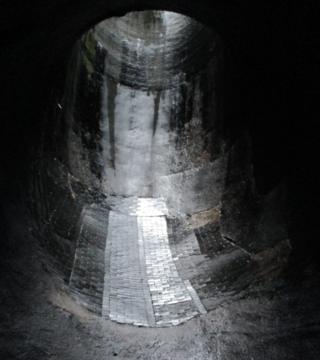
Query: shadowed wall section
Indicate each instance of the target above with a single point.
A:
(118, 134)
(197, 112)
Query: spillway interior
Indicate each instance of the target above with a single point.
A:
(144, 96)
(144, 218)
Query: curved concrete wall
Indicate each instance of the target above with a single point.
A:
(153, 140)
(110, 139)
(257, 310)
(154, 50)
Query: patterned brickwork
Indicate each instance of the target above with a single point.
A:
(87, 276)
(135, 206)
(142, 284)
(205, 260)
(124, 268)
(170, 298)
(125, 297)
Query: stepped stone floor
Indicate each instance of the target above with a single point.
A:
(142, 285)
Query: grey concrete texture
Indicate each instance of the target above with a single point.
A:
(253, 268)
(149, 57)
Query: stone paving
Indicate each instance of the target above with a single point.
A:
(126, 298)
(171, 300)
(139, 206)
(142, 284)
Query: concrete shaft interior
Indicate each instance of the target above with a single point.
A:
(156, 200)
(154, 162)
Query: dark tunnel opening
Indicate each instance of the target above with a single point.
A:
(156, 178)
